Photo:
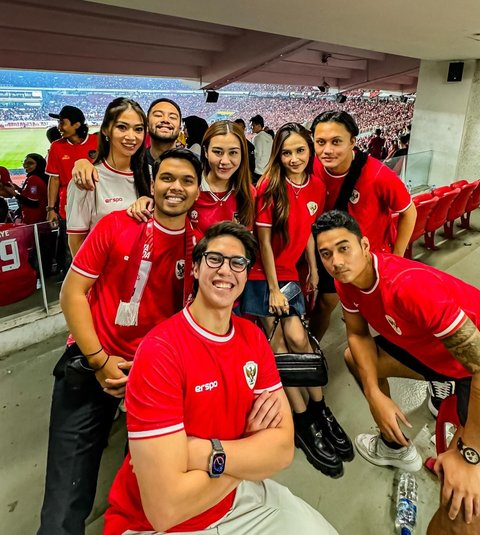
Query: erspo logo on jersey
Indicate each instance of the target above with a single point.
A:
(206, 387)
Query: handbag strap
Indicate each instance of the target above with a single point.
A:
(311, 337)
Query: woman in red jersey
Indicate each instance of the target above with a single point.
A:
(289, 199)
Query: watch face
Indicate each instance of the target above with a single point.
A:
(218, 463)
(471, 456)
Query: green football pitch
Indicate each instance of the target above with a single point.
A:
(16, 143)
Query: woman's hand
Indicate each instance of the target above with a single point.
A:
(277, 303)
(141, 209)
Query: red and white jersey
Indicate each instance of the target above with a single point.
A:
(377, 194)
(34, 189)
(114, 191)
(187, 378)
(62, 157)
(104, 256)
(306, 204)
(17, 277)
(415, 306)
(211, 208)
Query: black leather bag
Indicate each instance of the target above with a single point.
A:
(302, 369)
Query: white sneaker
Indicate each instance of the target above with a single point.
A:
(373, 449)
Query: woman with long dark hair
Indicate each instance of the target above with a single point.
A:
(289, 199)
(121, 165)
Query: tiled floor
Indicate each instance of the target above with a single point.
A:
(359, 503)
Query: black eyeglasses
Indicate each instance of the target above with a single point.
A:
(216, 260)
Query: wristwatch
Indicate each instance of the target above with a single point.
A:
(469, 454)
(216, 464)
(50, 208)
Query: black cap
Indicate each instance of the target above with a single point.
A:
(74, 115)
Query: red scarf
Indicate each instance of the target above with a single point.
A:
(138, 270)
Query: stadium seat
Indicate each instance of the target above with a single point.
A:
(457, 208)
(422, 197)
(424, 209)
(438, 215)
(472, 204)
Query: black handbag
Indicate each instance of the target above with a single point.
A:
(302, 369)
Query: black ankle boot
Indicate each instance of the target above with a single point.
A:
(335, 434)
(318, 450)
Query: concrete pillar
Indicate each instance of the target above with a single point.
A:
(445, 138)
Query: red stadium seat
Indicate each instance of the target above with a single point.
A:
(438, 215)
(422, 197)
(472, 204)
(457, 208)
(424, 209)
(459, 184)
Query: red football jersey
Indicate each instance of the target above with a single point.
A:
(377, 194)
(104, 256)
(306, 204)
(34, 189)
(415, 306)
(182, 372)
(17, 277)
(62, 157)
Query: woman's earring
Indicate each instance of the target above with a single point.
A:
(107, 138)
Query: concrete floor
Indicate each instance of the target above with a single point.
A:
(360, 502)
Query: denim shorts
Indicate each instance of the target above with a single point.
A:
(255, 300)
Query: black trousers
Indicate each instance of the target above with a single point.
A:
(80, 423)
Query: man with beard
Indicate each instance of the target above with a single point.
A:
(164, 120)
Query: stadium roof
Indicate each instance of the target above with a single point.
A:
(342, 44)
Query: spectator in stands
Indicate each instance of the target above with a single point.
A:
(367, 189)
(250, 146)
(5, 183)
(121, 165)
(126, 278)
(263, 146)
(75, 144)
(376, 145)
(290, 198)
(403, 146)
(53, 134)
(194, 129)
(32, 196)
(428, 325)
(201, 459)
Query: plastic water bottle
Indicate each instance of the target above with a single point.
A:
(406, 516)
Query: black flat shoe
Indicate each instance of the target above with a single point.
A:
(319, 452)
(335, 434)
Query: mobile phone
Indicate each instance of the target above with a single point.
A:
(291, 290)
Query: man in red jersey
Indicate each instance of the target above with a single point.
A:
(76, 143)
(208, 420)
(428, 323)
(126, 278)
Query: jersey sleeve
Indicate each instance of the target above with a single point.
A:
(424, 298)
(263, 212)
(392, 190)
(154, 397)
(53, 164)
(80, 206)
(93, 254)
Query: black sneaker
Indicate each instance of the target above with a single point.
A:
(439, 390)
(319, 452)
(335, 434)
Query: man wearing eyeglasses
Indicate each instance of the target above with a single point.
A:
(208, 420)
